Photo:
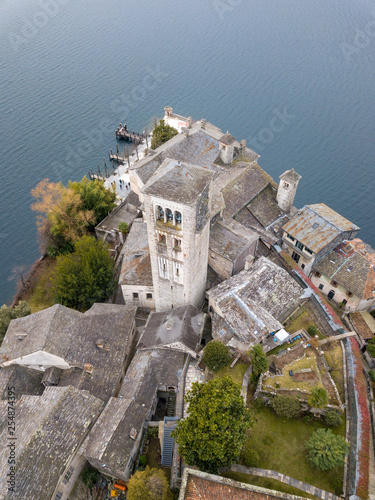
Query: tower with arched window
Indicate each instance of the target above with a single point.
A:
(177, 212)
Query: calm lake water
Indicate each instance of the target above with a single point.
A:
(70, 71)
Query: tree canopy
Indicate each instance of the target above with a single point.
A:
(161, 134)
(214, 432)
(259, 361)
(9, 313)
(216, 355)
(326, 450)
(84, 276)
(148, 484)
(67, 213)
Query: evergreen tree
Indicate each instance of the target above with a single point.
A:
(214, 432)
(326, 450)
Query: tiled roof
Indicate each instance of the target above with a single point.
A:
(227, 139)
(361, 326)
(317, 225)
(197, 485)
(136, 263)
(352, 265)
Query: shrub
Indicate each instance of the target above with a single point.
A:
(306, 419)
(161, 134)
(312, 330)
(259, 361)
(90, 477)
(142, 461)
(123, 227)
(371, 347)
(326, 450)
(150, 484)
(285, 406)
(319, 397)
(332, 418)
(9, 313)
(251, 458)
(372, 375)
(216, 355)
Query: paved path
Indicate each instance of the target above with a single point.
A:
(308, 488)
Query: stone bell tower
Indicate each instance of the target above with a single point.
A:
(177, 211)
(287, 189)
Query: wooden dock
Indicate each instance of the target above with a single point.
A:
(122, 132)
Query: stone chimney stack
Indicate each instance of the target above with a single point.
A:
(203, 124)
(243, 146)
(287, 190)
(226, 146)
(185, 131)
(190, 121)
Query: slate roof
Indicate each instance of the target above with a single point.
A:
(24, 380)
(266, 284)
(49, 429)
(109, 440)
(181, 183)
(317, 225)
(149, 369)
(182, 325)
(228, 243)
(136, 263)
(290, 176)
(227, 139)
(264, 206)
(352, 265)
(361, 326)
(241, 190)
(72, 336)
(198, 485)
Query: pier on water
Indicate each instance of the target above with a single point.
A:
(122, 132)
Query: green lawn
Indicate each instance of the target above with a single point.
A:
(237, 372)
(281, 447)
(287, 382)
(265, 482)
(302, 321)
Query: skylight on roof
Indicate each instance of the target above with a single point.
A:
(315, 225)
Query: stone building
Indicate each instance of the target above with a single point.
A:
(177, 212)
(49, 429)
(68, 347)
(249, 306)
(136, 274)
(347, 275)
(205, 200)
(314, 231)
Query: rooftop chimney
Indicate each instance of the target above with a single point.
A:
(243, 146)
(203, 123)
(190, 122)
